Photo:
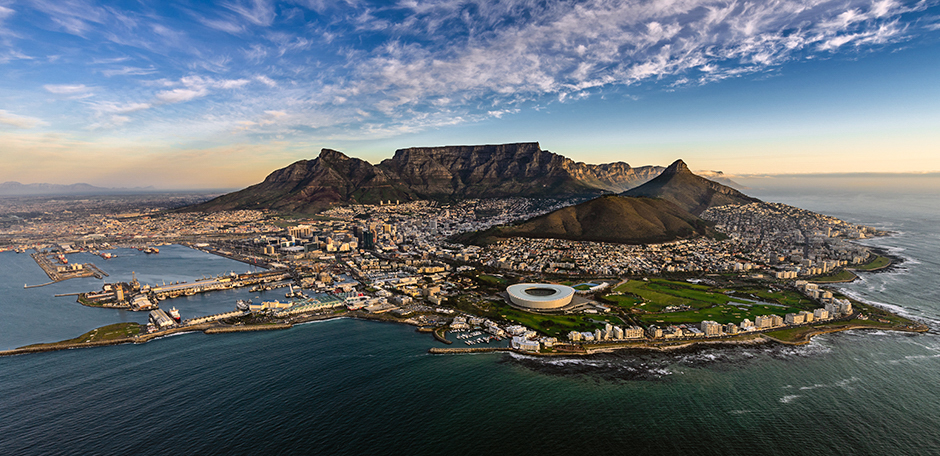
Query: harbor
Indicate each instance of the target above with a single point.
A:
(57, 267)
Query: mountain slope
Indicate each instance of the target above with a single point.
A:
(693, 193)
(609, 218)
(313, 185)
(441, 173)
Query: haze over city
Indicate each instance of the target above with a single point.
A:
(217, 95)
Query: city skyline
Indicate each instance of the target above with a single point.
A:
(218, 95)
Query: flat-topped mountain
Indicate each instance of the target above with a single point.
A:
(611, 218)
(693, 193)
(439, 173)
(505, 170)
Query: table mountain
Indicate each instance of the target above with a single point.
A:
(446, 173)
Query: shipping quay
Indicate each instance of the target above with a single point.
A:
(63, 270)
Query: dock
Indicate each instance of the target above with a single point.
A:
(71, 272)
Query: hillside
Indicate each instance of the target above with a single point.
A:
(609, 218)
(309, 186)
(693, 193)
(446, 173)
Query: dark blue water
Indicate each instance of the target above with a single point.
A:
(356, 387)
(34, 315)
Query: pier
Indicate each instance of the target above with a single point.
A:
(58, 273)
(451, 351)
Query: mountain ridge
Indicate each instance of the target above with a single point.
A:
(691, 192)
(444, 173)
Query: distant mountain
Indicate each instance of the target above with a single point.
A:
(439, 173)
(693, 193)
(721, 178)
(18, 189)
(611, 218)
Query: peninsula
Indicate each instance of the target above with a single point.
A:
(655, 258)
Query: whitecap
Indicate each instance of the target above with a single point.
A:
(790, 398)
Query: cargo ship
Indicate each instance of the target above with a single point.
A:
(175, 314)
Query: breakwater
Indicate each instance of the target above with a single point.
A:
(247, 328)
(451, 351)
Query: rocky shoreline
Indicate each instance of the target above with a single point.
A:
(658, 346)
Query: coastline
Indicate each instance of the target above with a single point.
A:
(801, 336)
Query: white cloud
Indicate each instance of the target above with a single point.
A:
(68, 89)
(180, 95)
(129, 71)
(528, 51)
(8, 118)
(258, 12)
(224, 25)
(266, 80)
(233, 83)
(117, 108)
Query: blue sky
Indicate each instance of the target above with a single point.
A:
(199, 94)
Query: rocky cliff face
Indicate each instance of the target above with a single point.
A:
(502, 170)
(443, 173)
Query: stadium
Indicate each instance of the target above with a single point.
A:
(540, 296)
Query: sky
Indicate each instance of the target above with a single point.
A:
(202, 94)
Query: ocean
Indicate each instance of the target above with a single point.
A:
(354, 387)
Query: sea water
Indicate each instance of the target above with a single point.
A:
(345, 386)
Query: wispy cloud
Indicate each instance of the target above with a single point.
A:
(128, 71)
(358, 69)
(68, 89)
(181, 95)
(8, 118)
(258, 12)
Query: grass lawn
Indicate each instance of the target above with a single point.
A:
(720, 314)
(877, 263)
(841, 276)
(800, 333)
(660, 293)
(784, 297)
(109, 332)
(723, 305)
(492, 280)
(554, 325)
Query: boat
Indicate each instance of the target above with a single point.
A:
(242, 304)
(175, 314)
